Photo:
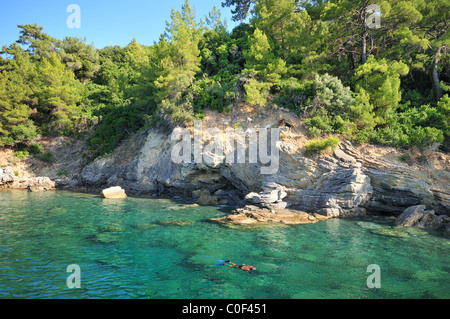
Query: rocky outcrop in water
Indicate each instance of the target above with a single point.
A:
(418, 216)
(254, 215)
(32, 184)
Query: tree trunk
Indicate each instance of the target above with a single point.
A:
(435, 76)
(364, 35)
(364, 50)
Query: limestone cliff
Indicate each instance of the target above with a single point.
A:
(349, 182)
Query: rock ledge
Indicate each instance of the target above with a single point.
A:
(253, 215)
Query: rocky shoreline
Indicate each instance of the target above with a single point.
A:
(263, 212)
(8, 179)
(353, 181)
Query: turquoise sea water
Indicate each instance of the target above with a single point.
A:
(125, 250)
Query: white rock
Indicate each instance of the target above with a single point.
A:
(114, 192)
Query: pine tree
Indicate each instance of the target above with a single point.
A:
(425, 42)
(179, 53)
(241, 10)
(309, 46)
(261, 60)
(274, 18)
(81, 58)
(40, 45)
(214, 21)
(381, 79)
(58, 95)
(16, 98)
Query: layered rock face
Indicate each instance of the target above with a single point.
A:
(344, 184)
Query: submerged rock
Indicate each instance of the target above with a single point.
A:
(184, 206)
(143, 227)
(55, 211)
(368, 225)
(104, 238)
(108, 264)
(203, 259)
(389, 232)
(112, 229)
(180, 222)
(114, 192)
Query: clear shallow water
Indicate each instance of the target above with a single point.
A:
(124, 252)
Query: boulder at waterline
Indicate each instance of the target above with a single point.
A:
(417, 216)
(410, 215)
(114, 192)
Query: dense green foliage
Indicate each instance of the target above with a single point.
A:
(386, 84)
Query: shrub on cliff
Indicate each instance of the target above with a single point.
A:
(326, 145)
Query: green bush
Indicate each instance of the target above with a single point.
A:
(314, 131)
(293, 95)
(212, 94)
(35, 149)
(117, 123)
(326, 145)
(237, 125)
(47, 157)
(332, 94)
(322, 122)
(21, 133)
(21, 154)
(62, 172)
(392, 135)
(423, 137)
(405, 157)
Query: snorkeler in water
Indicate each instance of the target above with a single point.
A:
(244, 267)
